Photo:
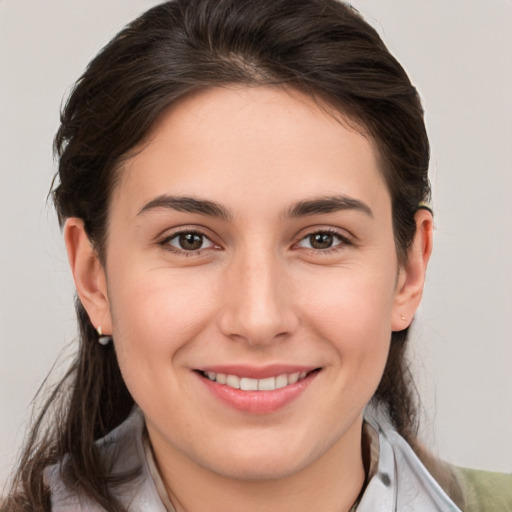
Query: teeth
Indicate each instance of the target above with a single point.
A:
(248, 384)
(281, 381)
(294, 377)
(267, 384)
(232, 381)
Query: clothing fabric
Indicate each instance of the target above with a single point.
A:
(398, 481)
(486, 491)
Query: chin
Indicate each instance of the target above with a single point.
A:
(260, 468)
(263, 461)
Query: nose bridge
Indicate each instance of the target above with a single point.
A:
(257, 307)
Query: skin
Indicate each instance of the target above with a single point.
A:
(257, 292)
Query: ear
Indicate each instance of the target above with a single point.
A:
(88, 273)
(411, 276)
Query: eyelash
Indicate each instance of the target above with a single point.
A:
(165, 243)
(343, 241)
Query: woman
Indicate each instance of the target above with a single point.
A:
(243, 189)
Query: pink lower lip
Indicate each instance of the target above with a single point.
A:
(258, 402)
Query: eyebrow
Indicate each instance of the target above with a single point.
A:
(329, 204)
(316, 206)
(187, 204)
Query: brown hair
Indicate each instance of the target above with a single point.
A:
(320, 47)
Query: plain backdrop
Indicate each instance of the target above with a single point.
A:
(457, 52)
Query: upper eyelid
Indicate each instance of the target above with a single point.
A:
(170, 233)
(341, 233)
(188, 232)
(342, 241)
(202, 235)
(325, 231)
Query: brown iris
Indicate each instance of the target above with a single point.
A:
(321, 240)
(190, 241)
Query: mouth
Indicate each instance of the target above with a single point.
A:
(253, 384)
(256, 391)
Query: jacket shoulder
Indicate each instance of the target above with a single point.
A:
(485, 491)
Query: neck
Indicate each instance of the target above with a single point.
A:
(331, 483)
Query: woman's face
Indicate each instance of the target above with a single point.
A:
(250, 244)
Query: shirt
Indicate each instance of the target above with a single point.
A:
(397, 480)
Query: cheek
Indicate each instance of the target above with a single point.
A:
(351, 316)
(358, 302)
(155, 316)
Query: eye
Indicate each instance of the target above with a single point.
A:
(322, 240)
(189, 241)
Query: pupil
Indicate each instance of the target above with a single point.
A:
(191, 241)
(321, 240)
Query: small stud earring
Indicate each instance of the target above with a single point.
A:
(103, 339)
(402, 317)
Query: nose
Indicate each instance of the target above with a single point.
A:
(257, 303)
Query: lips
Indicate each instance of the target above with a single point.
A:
(257, 390)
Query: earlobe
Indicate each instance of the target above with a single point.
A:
(88, 274)
(411, 278)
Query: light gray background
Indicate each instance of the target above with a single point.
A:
(458, 52)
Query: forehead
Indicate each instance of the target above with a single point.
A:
(258, 141)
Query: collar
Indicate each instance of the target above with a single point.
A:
(400, 481)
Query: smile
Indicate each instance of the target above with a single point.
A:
(255, 390)
(250, 384)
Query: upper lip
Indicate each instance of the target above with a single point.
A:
(257, 372)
